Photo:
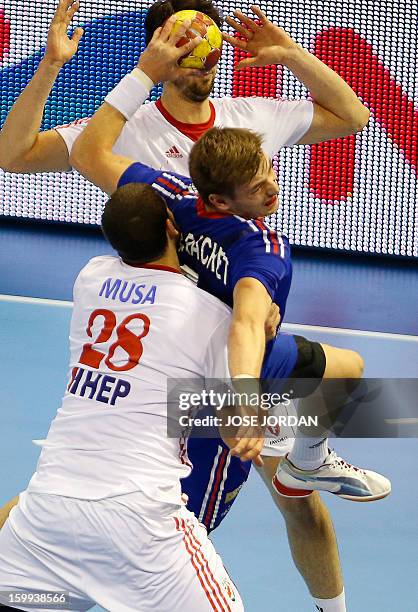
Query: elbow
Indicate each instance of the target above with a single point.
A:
(246, 326)
(8, 164)
(17, 157)
(82, 154)
(15, 167)
(78, 158)
(359, 120)
(8, 167)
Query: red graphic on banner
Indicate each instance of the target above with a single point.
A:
(264, 82)
(4, 34)
(351, 56)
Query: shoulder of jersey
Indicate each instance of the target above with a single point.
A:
(99, 261)
(96, 266)
(250, 228)
(146, 109)
(200, 303)
(210, 303)
(175, 186)
(103, 259)
(226, 102)
(259, 232)
(245, 102)
(207, 303)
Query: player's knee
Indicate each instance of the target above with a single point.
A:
(353, 364)
(343, 363)
(356, 365)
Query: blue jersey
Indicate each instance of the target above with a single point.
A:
(220, 249)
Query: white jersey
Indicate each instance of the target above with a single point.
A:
(132, 328)
(152, 137)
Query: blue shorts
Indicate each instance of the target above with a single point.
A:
(215, 481)
(217, 477)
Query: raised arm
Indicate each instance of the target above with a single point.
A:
(338, 111)
(92, 153)
(22, 147)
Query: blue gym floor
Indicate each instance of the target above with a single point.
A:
(366, 304)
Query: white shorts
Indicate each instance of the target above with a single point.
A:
(127, 554)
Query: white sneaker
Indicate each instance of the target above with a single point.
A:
(335, 475)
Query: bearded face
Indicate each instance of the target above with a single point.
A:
(196, 85)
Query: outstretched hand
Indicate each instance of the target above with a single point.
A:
(60, 48)
(245, 436)
(247, 449)
(267, 43)
(160, 60)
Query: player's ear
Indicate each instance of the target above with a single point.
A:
(171, 229)
(219, 202)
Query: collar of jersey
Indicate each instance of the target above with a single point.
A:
(202, 212)
(154, 267)
(187, 128)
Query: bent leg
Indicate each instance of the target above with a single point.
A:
(342, 363)
(26, 568)
(168, 563)
(198, 578)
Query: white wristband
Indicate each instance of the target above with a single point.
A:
(130, 93)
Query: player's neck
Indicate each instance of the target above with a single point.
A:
(170, 258)
(183, 109)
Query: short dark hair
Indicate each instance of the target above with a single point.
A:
(161, 10)
(224, 158)
(134, 222)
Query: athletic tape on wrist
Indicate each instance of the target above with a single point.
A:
(143, 78)
(243, 376)
(246, 383)
(130, 93)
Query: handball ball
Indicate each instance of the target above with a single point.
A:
(206, 55)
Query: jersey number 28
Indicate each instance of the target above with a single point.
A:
(127, 340)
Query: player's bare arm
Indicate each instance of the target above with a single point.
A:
(22, 147)
(338, 112)
(247, 336)
(92, 153)
(252, 317)
(241, 425)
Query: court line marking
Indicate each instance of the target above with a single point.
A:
(36, 301)
(405, 421)
(294, 327)
(290, 327)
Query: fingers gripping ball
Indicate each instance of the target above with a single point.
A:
(206, 55)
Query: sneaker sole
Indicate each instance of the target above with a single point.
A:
(288, 492)
(364, 499)
(284, 491)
